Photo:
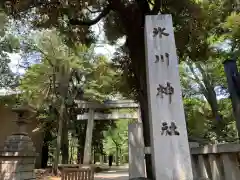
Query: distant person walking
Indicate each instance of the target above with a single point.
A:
(110, 160)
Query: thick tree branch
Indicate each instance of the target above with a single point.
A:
(157, 6)
(104, 13)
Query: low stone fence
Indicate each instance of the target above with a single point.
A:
(216, 162)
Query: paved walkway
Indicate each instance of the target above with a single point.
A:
(114, 174)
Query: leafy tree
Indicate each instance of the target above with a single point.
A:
(196, 112)
(202, 128)
(100, 83)
(202, 79)
(8, 79)
(8, 44)
(208, 117)
(121, 18)
(194, 21)
(60, 78)
(116, 139)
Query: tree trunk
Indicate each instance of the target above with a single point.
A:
(209, 92)
(140, 71)
(136, 46)
(101, 159)
(94, 156)
(231, 70)
(45, 150)
(59, 135)
(81, 141)
(65, 143)
(117, 156)
(63, 118)
(120, 156)
(146, 135)
(81, 151)
(71, 153)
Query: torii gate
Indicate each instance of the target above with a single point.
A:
(115, 115)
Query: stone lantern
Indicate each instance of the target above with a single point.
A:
(18, 156)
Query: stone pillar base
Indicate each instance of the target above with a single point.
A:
(17, 160)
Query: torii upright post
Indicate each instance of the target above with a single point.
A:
(169, 141)
(230, 67)
(88, 140)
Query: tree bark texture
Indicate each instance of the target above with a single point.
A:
(65, 143)
(81, 141)
(63, 78)
(231, 71)
(136, 46)
(45, 150)
(59, 137)
(117, 155)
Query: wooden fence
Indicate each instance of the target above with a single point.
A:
(77, 174)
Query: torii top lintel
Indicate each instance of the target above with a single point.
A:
(120, 104)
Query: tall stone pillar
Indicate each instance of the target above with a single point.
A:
(17, 159)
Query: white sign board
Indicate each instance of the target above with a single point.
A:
(169, 141)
